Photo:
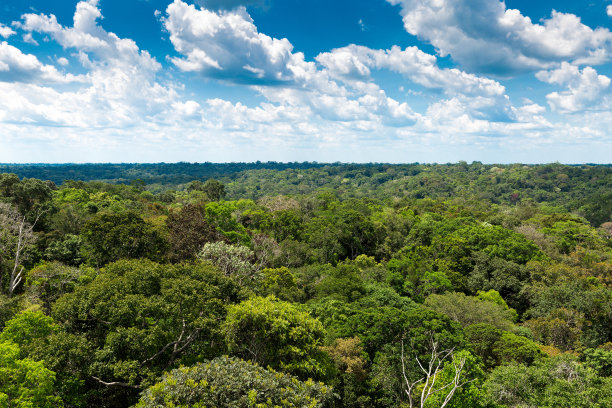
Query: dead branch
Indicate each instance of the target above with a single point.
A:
(430, 370)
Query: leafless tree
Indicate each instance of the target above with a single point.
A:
(429, 377)
(16, 235)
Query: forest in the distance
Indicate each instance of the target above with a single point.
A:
(306, 285)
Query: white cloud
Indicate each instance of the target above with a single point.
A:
(586, 89)
(609, 10)
(15, 66)
(88, 37)
(27, 37)
(485, 36)
(226, 45)
(121, 102)
(5, 31)
(419, 67)
(485, 97)
(361, 24)
(119, 89)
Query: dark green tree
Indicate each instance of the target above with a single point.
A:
(109, 237)
(140, 319)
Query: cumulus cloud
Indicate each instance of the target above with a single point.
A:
(485, 36)
(123, 101)
(226, 45)
(119, 88)
(419, 67)
(609, 10)
(484, 97)
(15, 66)
(5, 31)
(586, 89)
(88, 37)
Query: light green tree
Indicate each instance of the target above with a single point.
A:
(276, 334)
(25, 383)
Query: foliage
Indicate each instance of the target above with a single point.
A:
(231, 382)
(188, 231)
(281, 283)
(48, 281)
(141, 318)
(278, 334)
(28, 327)
(25, 383)
(109, 237)
(469, 310)
(557, 382)
(508, 266)
(235, 261)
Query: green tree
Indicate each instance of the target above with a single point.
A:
(469, 310)
(112, 236)
(26, 328)
(48, 281)
(140, 319)
(511, 347)
(25, 383)
(214, 189)
(281, 283)
(68, 250)
(559, 382)
(468, 393)
(32, 197)
(230, 382)
(278, 334)
(235, 261)
(188, 231)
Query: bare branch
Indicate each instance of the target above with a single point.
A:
(115, 383)
(431, 371)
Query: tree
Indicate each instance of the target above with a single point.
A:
(343, 282)
(25, 383)
(235, 261)
(16, 237)
(189, 231)
(39, 338)
(140, 319)
(30, 196)
(278, 334)
(112, 236)
(68, 251)
(351, 372)
(227, 382)
(214, 189)
(431, 372)
(48, 281)
(559, 382)
(511, 347)
(281, 283)
(470, 310)
(27, 327)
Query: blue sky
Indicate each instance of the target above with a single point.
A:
(305, 80)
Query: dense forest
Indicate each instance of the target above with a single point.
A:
(306, 285)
